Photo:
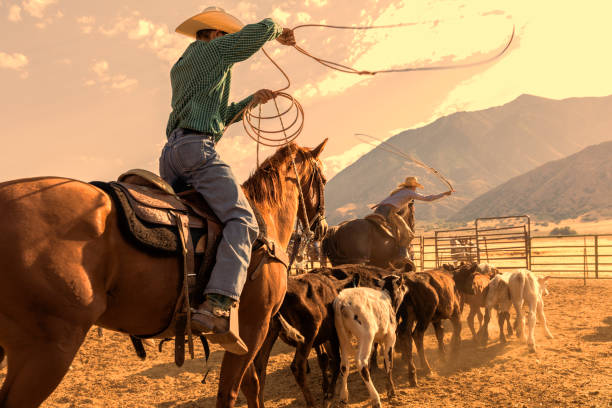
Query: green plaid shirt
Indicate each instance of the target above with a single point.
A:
(201, 78)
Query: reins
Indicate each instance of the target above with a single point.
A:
(306, 235)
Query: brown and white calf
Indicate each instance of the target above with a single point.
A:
(369, 315)
(471, 281)
(307, 309)
(523, 287)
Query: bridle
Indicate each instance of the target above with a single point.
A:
(317, 222)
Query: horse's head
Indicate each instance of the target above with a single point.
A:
(275, 180)
(312, 182)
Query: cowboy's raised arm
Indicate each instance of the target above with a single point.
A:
(418, 196)
(241, 45)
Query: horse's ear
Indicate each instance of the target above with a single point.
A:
(317, 150)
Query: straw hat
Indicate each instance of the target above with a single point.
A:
(213, 18)
(410, 182)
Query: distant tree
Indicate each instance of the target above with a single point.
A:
(563, 231)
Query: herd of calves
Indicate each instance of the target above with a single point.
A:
(328, 308)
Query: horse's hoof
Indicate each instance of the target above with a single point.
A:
(531, 348)
(412, 381)
(550, 336)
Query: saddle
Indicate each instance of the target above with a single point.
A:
(157, 219)
(384, 226)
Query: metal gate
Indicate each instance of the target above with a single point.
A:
(453, 246)
(502, 241)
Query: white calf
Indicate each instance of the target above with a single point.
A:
(487, 269)
(526, 287)
(497, 296)
(516, 288)
(369, 315)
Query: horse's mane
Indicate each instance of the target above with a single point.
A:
(265, 184)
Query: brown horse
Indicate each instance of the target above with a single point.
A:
(360, 241)
(66, 266)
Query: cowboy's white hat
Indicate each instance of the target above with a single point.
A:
(214, 18)
(411, 182)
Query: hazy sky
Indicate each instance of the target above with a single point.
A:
(86, 94)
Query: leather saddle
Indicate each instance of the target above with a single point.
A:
(158, 219)
(383, 225)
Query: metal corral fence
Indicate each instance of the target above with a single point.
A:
(571, 256)
(503, 241)
(506, 243)
(574, 255)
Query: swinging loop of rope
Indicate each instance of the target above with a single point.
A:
(288, 133)
(344, 68)
(388, 147)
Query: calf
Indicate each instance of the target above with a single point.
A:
(526, 287)
(523, 286)
(496, 296)
(431, 297)
(307, 309)
(487, 269)
(471, 281)
(369, 315)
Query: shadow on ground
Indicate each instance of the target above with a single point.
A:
(602, 333)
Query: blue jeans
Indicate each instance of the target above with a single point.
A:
(192, 158)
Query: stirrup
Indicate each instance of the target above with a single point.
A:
(230, 340)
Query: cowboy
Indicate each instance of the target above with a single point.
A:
(395, 203)
(200, 112)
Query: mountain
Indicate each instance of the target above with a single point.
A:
(557, 190)
(476, 150)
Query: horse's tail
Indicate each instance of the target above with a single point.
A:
(327, 245)
(330, 247)
(290, 331)
(334, 253)
(2, 362)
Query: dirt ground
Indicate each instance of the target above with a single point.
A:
(573, 369)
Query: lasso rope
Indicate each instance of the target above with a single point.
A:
(344, 68)
(288, 132)
(271, 138)
(388, 147)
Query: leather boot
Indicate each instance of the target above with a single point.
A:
(219, 326)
